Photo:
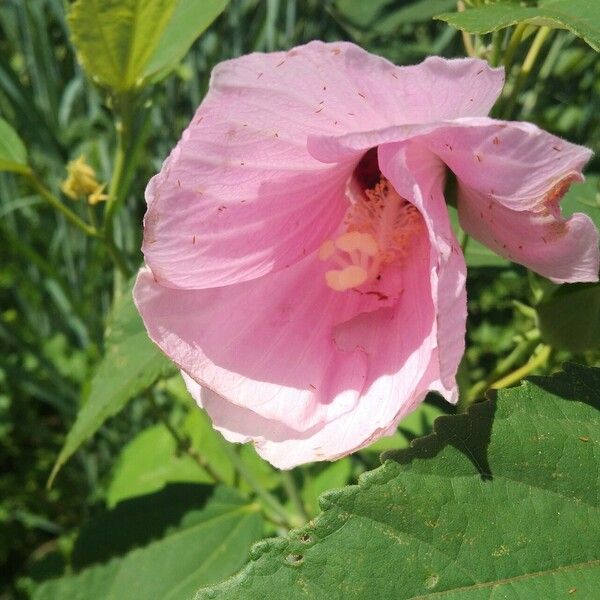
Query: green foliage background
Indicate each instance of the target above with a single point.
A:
(57, 288)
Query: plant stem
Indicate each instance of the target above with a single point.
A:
(536, 361)
(538, 41)
(496, 48)
(466, 38)
(294, 494)
(71, 216)
(124, 108)
(523, 349)
(280, 514)
(183, 442)
(78, 222)
(513, 44)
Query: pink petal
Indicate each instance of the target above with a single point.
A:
(419, 176)
(517, 164)
(266, 344)
(398, 346)
(240, 195)
(564, 250)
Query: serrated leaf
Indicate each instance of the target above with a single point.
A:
(416, 424)
(208, 545)
(13, 154)
(582, 17)
(570, 318)
(121, 43)
(131, 363)
(502, 502)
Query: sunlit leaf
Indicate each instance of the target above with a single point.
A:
(499, 502)
(582, 17)
(122, 43)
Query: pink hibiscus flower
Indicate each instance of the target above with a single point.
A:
(301, 267)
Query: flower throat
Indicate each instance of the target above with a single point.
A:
(378, 228)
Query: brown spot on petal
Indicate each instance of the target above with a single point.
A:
(279, 64)
(335, 51)
(495, 141)
(319, 110)
(478, 157)
(259, 76)
(194, 240)
(362, 95)
(553, 196)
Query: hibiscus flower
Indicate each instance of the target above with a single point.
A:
(301, 269)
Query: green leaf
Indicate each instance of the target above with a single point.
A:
(582, 17)
(583, 197)
(499, 502)
(13, 154)
(152, 459)
(121, 43)
(570, 318)
(208, 546)
(189, 20)
(148, 463)
(334, 475)
(131, 364)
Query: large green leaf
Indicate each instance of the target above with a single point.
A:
(131, 364)
(582, 17)
(122, 43)
(499, 502)
(13, 155)
(207, 546)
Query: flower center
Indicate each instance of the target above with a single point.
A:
(379, 227)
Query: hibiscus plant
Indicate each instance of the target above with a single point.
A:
(351, 339)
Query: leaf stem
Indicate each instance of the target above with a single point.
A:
(496, 48)
(466, 37)
(271, 502)
(51, 199)
(294, 494)
(124, 110)
(513, 44)
(183, 442)
(523, 349)
(538, 41)
(539, 359)
(78, 222)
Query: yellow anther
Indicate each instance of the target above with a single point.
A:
(345, 279)
(380, 226)
(355, 240)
